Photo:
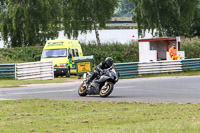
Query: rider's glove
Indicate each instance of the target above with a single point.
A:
(101, 71)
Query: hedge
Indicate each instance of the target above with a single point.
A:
(119, 52)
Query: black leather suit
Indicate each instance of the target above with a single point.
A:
(98, 70)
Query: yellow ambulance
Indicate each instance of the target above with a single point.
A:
(62, 52)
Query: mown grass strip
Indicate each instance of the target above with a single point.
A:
(186, 73)
(10, 82)
(42, 115)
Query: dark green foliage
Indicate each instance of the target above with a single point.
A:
(169, 17)
(125, 9)
(28, 22)
(81, 15)
(195, 30)
(20, 54)
(191, 47)
(119, 52)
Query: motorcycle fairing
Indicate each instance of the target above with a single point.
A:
(96, 83)
(102, 79)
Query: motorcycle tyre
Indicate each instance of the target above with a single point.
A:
(83, 93)
(109, 91)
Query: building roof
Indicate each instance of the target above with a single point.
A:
(160, 39)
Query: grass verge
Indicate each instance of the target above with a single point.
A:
(186, 73)
(10, 82)
(41, 115)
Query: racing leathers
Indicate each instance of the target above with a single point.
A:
(98, 71)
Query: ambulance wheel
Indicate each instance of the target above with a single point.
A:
(68, 73)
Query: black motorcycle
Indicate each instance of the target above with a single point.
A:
(102, 85)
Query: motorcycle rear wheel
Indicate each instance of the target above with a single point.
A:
(104, 92)
(82, 91)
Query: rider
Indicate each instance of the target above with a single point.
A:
(99, 69)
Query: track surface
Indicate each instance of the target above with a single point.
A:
(170, 89)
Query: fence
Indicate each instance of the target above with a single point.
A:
(7, 70)
(35, 70)
(45, 70)
(159, 67)
(191, 64)
(134, 69)
(28, 71)
(127, 70)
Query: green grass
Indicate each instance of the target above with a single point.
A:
(9, 82)
(61, 116)
(186, 73)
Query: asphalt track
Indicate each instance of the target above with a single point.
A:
(165, 89)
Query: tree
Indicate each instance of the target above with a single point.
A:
(168, 17)
(125, 9)
(28, 22)
(84, 15)
(195, 30)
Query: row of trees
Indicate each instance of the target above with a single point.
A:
(168, 17)
(124, 9)
(30, 22)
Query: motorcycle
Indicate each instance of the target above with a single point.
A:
(103, 85)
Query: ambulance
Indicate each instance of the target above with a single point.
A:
(62, 53)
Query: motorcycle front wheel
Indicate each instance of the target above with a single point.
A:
(106, 91)
(82, 91)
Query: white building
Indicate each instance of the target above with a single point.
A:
(157, 49)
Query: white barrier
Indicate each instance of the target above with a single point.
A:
(135, 69)
(34, 70)
(159, 67)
